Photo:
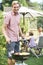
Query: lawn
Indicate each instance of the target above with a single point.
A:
(34, 61)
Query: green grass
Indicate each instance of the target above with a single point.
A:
(34, 61)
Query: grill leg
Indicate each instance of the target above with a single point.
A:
(24, 63)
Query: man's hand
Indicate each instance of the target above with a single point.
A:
(23, 36)
(8, 40)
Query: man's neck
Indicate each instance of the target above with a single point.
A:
(15, 13)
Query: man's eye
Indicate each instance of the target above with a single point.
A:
(14, 7)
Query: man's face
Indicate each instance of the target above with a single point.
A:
(40, 29)
(15, 8)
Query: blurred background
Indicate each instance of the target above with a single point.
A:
(27, 23)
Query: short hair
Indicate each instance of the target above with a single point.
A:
(30, 33)
(15, 2)
(39, 27)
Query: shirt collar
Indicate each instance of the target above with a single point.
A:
(13, 13)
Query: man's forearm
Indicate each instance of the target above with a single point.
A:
(5, 33)
(22, 35)
(20, 31)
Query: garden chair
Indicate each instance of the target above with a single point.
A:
(40, 44)
(38, 48)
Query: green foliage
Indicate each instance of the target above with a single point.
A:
(6, 5)
(1, 15)
(33, 24)
(40, 22)
(8, 2)
(24, 27)
(1, 21)
(2, 41)
(3, 57)
(41, 4)
(23, 2)
(3, 60)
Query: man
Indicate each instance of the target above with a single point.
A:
(11, 31)
(37, 40)
(40, 31)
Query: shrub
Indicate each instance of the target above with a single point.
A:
(40, 22)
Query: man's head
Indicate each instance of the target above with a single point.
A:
(15, 6)
(40, 29)
(30, 33)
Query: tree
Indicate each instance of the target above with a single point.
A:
(40, 22)
(7, 2)
(42, 6)
(23, 2)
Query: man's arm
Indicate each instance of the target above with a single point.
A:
(4, 29)
(20, 31)
(5, 25)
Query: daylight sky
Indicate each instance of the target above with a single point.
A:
(0, 1)
(39, 1)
